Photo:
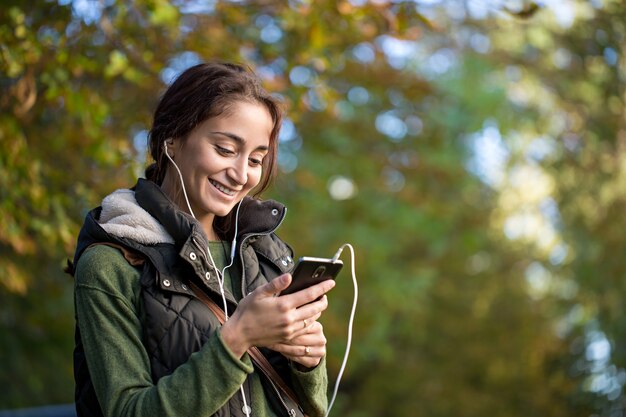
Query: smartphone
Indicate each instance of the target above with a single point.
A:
(310, 271)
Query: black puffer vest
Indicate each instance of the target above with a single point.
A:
(175, 322)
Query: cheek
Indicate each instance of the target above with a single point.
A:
(255, 177)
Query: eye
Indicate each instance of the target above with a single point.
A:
(224, 151)
(255, 162)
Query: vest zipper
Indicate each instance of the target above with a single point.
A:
(243, 272)
(206, 260)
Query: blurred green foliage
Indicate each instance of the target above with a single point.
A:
(474, 153)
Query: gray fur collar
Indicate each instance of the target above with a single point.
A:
(122, 216)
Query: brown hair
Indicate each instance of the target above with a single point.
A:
(202, 92)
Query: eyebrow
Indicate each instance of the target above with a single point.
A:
(238, 139)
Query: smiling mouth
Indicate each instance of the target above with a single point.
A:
(223, 189)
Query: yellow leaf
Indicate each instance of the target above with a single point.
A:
(12, 278)
(164, 14)
(118, 62)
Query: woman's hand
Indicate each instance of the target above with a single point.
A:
(265, 319)
(308, 349)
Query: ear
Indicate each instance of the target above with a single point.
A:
(169, 147)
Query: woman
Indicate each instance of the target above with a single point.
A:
(146, 342)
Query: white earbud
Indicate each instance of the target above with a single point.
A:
(165, 143)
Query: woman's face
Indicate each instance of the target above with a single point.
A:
(221, 160)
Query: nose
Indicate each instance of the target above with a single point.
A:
(238, 172)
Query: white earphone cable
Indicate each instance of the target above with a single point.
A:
(350, 323)
(181, 179)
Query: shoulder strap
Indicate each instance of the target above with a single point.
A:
(132, 257)
(257, 356)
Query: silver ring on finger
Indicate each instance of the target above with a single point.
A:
(307, 351)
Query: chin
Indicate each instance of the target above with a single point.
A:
(222, 211)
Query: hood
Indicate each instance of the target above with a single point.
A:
(122, 216)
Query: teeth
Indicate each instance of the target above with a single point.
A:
(220, 187)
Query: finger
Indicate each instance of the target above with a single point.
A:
(312, 335)
(299, 326)
(310, 294)
(307, 356)
(308, 339)
(306, 362)
(309, 325)
(275, 286)
(301, 351)
(314, 309)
